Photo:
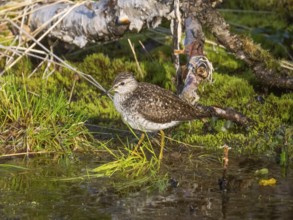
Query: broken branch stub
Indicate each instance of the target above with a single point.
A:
(198, 67)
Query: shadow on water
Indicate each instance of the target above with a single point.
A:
(33, 191)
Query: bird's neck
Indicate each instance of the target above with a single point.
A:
(120, 98)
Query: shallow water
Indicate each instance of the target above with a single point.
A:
(193, 193)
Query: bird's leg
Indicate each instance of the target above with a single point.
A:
(162, 144)
(140, 140)
(139, 143)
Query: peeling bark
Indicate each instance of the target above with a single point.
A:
(104, 20)
(198, 67)
(194, 40)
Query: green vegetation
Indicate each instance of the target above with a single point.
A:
(141, 167)
(33, 122)
(37, 114)
(268, 23)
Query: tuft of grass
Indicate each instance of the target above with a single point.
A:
(128, 169)
(133, 168)
(32, 122)
(136, 162)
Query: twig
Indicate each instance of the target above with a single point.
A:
(12, 55)
(283, 63)
(45, 34)
(177, 33)
(17, 6)
(148, 53)
(286, 64)
(72, 88)
(27, 153)
(19, 53)
(134, 54)
(24, 14)
(226, 156)
(87, 77)
(223, 182)
(40, 64)
(244, 11)
(17, 15)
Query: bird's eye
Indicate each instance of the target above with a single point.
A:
(122, 84)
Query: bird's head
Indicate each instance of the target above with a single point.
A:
(124, 83)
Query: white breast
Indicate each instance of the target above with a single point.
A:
(137, 121)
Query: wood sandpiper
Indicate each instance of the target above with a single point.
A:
(149, 108)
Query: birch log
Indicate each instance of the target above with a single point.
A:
(104, 20)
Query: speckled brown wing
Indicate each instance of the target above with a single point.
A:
(161, 106)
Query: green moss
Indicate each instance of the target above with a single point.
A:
(160, 74)
(280, 107)
(226, 91)
(103, 69)
(258, 54)
(271, 29)
(230, 91)
(222, 61)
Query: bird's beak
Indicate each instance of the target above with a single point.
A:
(108, 93)
(111, 90)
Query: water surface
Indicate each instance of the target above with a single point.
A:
(193, 193)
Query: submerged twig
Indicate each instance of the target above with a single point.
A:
(226, 157)
(223, 182)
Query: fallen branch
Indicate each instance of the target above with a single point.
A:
(265, 67)
(228, 114)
